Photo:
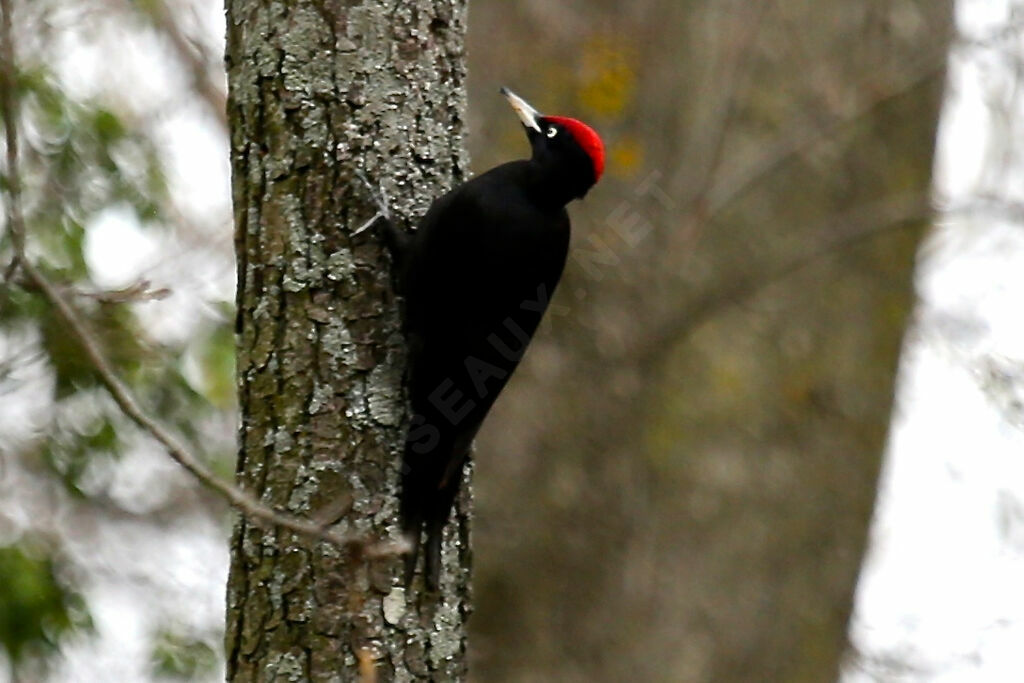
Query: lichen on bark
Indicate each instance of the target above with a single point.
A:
(318, 90)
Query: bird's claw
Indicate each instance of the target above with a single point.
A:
(378, 194)
(380, 198)
(368, 224)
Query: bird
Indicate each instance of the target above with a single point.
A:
(475, 279)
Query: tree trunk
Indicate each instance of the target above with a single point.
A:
(319, 89)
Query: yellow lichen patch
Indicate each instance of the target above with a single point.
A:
(607, 77)
(626, 156)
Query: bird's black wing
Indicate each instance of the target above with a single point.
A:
(482, 270)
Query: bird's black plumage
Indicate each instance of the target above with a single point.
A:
(476, 278)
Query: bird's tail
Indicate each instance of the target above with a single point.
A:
(397, 241)
(412, 506)
(429, 487)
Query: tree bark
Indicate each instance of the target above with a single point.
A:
(319, 89)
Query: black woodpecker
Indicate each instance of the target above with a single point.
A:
(476, 278)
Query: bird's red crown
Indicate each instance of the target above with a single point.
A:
(587, 138)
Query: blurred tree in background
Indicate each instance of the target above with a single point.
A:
(681, 480)
(677, 484)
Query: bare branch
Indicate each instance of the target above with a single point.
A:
(189, 54)
(858, 226)
(238, 498)
(802, 137)
(737, 68)
(140, 290)
(241, 500)
(736, 71)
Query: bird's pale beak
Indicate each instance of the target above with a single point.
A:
(527, 114)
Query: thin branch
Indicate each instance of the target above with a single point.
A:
(245, 503)
(138, 291)
(860, 226)
(891, 214)
(189, 54)
(238, 498)
(736, 71)
(802, 137)
(725, 188)
(235, 496)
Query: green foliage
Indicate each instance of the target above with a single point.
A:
(81, 158)
(118, 331)
(36, 608)
(176, 656)
(217, 365)
(78, 159)
(75, 444)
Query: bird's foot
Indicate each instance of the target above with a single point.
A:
(370, 223)
(380, 198)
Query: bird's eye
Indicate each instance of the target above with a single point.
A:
(552, 131)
